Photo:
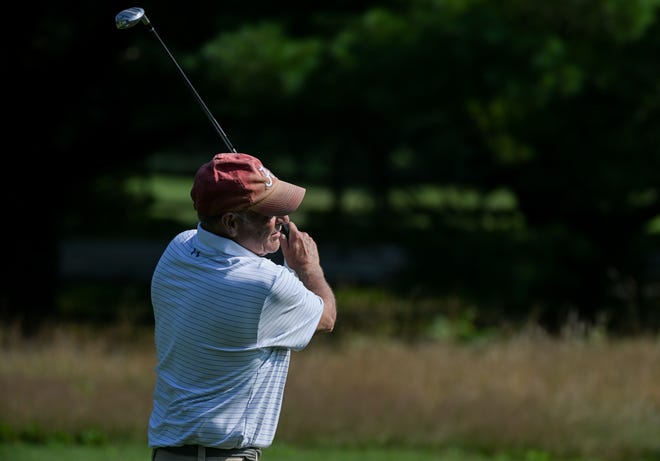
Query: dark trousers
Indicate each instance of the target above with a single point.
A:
(199, 453)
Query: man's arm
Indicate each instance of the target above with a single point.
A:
(302, 255)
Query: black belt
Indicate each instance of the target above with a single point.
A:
(191, 450)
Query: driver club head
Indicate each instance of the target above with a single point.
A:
(129, 17)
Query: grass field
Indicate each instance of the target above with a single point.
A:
(278, 452)
(80, 393)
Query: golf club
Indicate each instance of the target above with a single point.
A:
(130, 17)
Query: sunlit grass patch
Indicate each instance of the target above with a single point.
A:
(565, 397)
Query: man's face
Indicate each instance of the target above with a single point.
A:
(258, 233)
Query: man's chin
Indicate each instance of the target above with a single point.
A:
(272, 247)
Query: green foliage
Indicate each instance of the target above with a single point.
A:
(260, 64)
(554, 104)
(105, 302)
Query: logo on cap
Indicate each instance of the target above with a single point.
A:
(266, 173)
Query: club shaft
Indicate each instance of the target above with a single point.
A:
(212, 119)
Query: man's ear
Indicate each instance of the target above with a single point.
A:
(230, 223)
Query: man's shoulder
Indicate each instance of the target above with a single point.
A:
(185, 236)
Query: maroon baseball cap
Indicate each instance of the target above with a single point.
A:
(234, 182)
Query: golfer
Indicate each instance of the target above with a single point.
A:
(227, 317)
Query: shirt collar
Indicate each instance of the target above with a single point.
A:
(221, 244)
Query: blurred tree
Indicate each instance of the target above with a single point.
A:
(88, 105)
(482, 96)
(511, 146)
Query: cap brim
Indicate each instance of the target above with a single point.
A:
(283, 200)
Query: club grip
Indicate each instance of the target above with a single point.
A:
(285, 229)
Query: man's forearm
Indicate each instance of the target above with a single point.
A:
(314, 280)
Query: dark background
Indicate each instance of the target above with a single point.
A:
(555, 104)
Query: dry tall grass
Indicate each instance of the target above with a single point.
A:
(571, 396)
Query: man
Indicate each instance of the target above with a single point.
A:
(227, 317)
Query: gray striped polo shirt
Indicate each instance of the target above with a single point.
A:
(226, 321)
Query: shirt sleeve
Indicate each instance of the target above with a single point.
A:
(291, 313)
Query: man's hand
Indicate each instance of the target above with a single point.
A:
(299, 250)
(302, 255)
